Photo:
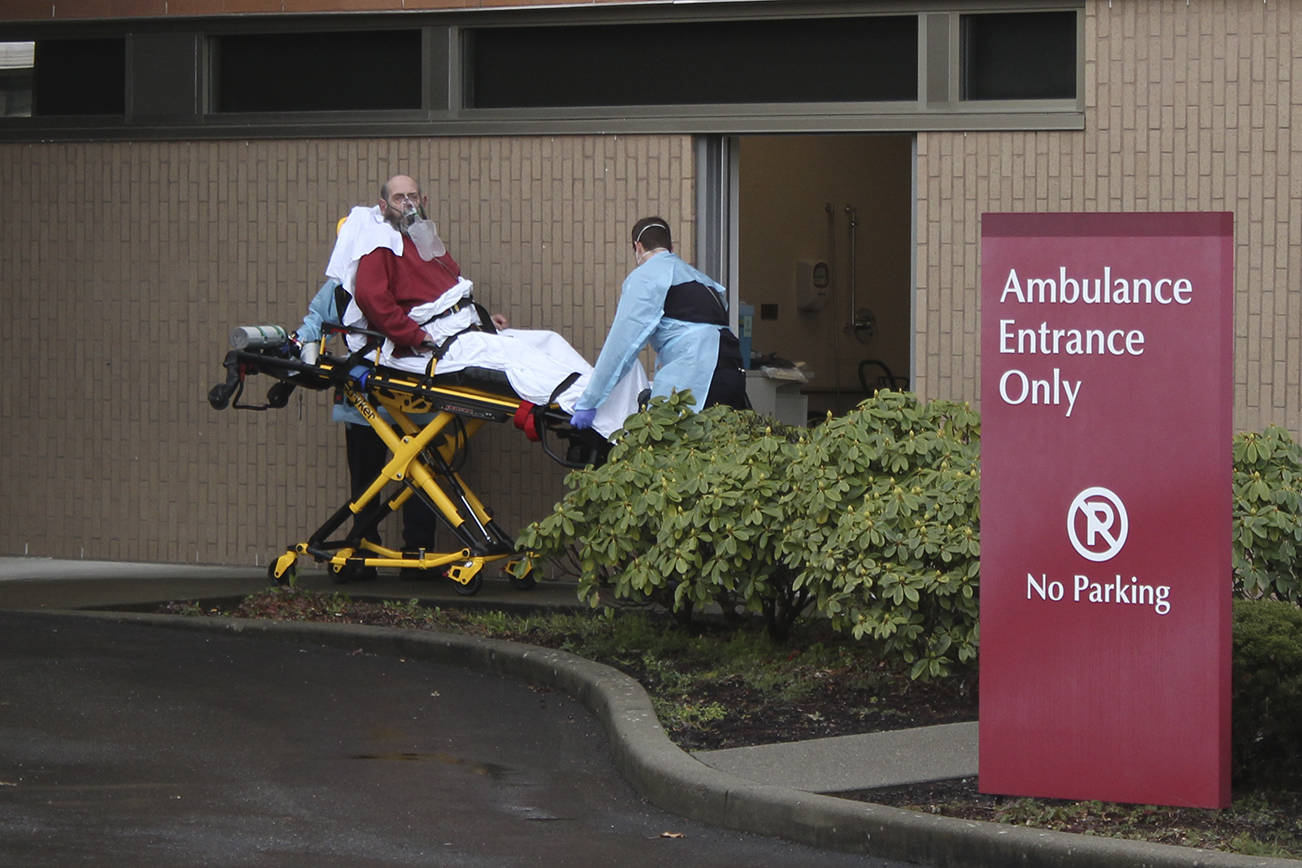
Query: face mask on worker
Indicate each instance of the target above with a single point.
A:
(423, 233)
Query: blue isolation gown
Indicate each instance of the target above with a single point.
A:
(686, 352)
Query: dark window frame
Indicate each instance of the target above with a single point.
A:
(182, 108)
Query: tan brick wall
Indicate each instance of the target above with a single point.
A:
(125, 265)
(1188, 107)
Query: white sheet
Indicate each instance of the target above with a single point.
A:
(364, 230)
(535, 362)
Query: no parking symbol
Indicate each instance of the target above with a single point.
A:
(1097, 517)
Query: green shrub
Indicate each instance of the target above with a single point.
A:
(684, 513)
(883, 526)
(873, 516)
(1267, 704)
(1267, 515)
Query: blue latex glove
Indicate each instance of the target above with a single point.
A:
(582, 418)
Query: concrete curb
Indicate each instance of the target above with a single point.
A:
(672, 780)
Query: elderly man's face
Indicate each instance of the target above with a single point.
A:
(403, 195)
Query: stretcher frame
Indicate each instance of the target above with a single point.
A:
(423, 460)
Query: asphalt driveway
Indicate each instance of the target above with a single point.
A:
(134, 744)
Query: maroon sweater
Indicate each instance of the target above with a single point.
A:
(388, 286)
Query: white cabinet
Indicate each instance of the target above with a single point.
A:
(778, 397)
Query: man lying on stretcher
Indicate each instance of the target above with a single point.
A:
(406, 285)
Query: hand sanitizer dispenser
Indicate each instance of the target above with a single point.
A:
(813, 284)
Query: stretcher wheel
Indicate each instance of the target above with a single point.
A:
(470, 588)
(288, 577)
(342, 574)
(520, 574)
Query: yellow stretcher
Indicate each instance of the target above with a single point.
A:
(424, 458)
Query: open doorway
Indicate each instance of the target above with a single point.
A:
(824, 254)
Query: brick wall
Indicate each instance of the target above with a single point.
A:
(125, 265)
(1188, 107)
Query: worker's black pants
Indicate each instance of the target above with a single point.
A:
(367, 456)
(728, 385)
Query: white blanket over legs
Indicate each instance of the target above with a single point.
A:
(535, 361)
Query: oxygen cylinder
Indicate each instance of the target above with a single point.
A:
(259, 337)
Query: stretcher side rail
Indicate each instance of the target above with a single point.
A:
(479, 393)
(585, 446)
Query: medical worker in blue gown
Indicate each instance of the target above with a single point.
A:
(684, 316)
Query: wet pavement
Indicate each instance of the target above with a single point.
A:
(129, 744)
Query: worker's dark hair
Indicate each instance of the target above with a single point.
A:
(653, 232)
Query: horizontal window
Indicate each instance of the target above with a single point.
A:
(76, 77)
(862, 59)
(333, 71)
(1019, 56)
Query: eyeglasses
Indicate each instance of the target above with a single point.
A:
(400, 199)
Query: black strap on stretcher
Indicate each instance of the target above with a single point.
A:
(485, 324)
(485, 321)
(446, 344)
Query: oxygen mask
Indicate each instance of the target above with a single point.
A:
(423, 233)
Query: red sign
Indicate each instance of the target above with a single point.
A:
(1106, 414)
